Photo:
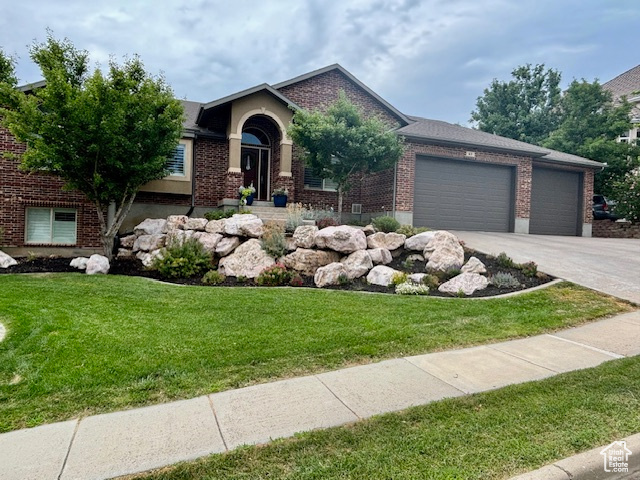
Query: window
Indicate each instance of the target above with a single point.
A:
(176, 165)
(312, 181)
(255, 136)
(51, 225)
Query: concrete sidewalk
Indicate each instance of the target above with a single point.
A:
(113, 444)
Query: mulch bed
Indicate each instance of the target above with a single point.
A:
(133, 267)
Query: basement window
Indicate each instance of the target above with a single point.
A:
(51, 226)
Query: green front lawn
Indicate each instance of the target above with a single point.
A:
(493, 435)
(80, 344)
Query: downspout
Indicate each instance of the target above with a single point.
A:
(395, 186)
(193, 176)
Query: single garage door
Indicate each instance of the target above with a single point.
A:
(556, 201)
(459, 195)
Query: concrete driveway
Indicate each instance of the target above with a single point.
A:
(610, 265)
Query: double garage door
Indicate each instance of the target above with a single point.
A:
(460, 195)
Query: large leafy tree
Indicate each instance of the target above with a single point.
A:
(524, 108)
(341, 142)
(7, 69)
(105, 135)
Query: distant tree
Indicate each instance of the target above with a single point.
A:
(342, 142)
(104, 135)
(524, 108)
(590, 125)
(627, 191)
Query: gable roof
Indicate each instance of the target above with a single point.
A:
(394, 111)
(624, 84)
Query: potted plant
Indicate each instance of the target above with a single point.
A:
(246, 195)
(280, 196)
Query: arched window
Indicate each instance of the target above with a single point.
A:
(255, 136)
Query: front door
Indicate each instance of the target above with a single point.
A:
(255, 167)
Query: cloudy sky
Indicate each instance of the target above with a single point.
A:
(430, 58)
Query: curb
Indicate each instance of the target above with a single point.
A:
(588, 466)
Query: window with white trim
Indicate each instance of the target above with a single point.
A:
(176, 163)
(312, 181)
(51, 225)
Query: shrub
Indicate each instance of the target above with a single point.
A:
(327, 222)
(504, 280)
(431, 281)
(412, 289)
(529, 269)
(408, 264)
(296, 281)
(410, 231)
(274, 276)
(294, 216)
(213, 277)
(273, 240)
(241, 279)
(183, 259)
(218, 214)
(398, 278)
(343, 279)
(385, 224)
(505, 260)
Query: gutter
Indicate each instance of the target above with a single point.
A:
(193, 176)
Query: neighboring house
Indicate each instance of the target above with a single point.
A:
(628, 85)
(450, 177)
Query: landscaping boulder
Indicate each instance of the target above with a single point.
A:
(124, 253)
(226, 246)
(305, 236)
(150, 226)
(419, 241)
(177, 236)
(357, 264)
(197, 224)
(368, 230)
(380, 256)
(444, 252)
(467, 283)
(208, 240)
(215, 226)
(474, 265)
(390, 241)
(329, 274)
(307, 261)
(244, 225)
(416, 257)
(6, 261)
(146, 243)
(248, 260)
(381, 275)
(147, 258)
(417, 277)
(291, 244)
(129, 240)
(79, 262)
(343, 238)
(97, 264)
(175, 222)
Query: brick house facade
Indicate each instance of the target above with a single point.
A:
(242, 138)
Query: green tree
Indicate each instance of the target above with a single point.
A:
(105, 135)
(7, 69)
(524, 108)
(590, 125)
(342, 142)
(627, 191)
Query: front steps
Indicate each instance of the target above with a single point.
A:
(267, 212)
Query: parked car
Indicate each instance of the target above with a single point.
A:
(603, 208)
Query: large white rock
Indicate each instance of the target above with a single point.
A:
(291, 244)
(444, 252)
(248, 260)
(147, 258)
(308, 261)
(381, 275)
(208, 240)
(357, 264)
(177, 236)
(244, 225)
(79, 262)
(305, 236)
(226, 246)
(215, 226)
(197, 224)
(417, 277)
(380, 256)
(97, 264)
(150, 226)
(468, 283)
(6, 261)
(343, 238)
(175, 222)
(329, 274)
(390, 241)
(146, 243)
(129, 240)
(419, 241)
(124, 253)
(474, 265)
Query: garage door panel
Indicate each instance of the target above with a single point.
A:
(451, 194)
(556, 198)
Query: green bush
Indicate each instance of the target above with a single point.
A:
(431, 281)
(213, 277)
(183, 259)
(385, 224)
(218, 214)
(504, 280)
(505, 261)
(274, 276)
(344, 280)
(273, 240)
(530, 269)
(398, 278)
(410, 231)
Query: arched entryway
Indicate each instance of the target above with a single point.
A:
(255, 158)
